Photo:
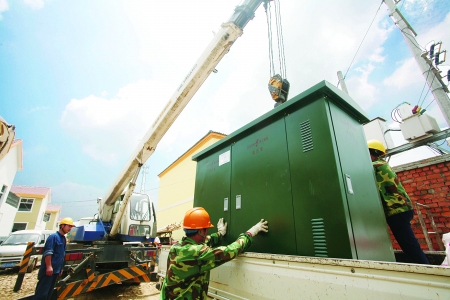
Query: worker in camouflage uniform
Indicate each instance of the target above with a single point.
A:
(189, 261)
(397, 205)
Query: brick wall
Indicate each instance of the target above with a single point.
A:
(427, 182)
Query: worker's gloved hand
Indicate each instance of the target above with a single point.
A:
(222, 227)
(260, 226)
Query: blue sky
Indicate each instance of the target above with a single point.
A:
(82, 81)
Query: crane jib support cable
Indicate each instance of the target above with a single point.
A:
(278, 84)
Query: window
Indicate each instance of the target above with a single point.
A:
(3, 193)
(21, 239)
(46, 217)
(26, 204)
(12, 200)
(19, 226)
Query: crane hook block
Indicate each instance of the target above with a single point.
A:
(279, 89)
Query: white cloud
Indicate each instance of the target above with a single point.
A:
(408, 74)
(35, 4)
(437, 33)
(316, 45)
(3, 7)
(361, 90)
(110, 128)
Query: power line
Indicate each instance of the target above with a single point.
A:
(363, 38)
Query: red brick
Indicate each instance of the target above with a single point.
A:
(422, 187)
(437, 185)
(434, 176)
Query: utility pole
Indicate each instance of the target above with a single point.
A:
(431, 74)
(342, 82)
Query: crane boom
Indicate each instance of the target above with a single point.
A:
(209, 59)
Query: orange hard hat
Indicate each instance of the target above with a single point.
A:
(197, 218)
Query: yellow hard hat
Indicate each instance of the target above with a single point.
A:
(376, 145)
(67, 221)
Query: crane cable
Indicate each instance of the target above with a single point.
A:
(279, 33)
(278, 84)
(269, 33)
(281, 55)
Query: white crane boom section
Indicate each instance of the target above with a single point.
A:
(204, 66)
(217, 48)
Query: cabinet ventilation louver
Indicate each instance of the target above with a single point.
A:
(305, 131)
(320, 242)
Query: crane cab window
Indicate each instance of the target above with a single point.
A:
(140, 207)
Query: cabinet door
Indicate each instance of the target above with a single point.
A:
(261, 188)
(367, 216)
(322, 222)
(212, 186)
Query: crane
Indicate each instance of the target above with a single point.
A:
(229, 32)
(124, 216)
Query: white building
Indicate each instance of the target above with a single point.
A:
(9, 165)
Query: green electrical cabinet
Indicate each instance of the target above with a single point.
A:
(305, 167)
